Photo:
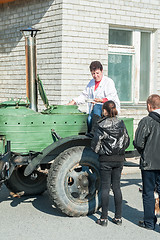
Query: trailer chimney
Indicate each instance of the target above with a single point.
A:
(31, 66)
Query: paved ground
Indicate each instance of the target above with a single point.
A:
(35, 219)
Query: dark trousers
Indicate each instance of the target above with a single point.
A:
(150, 180)
(110, 172)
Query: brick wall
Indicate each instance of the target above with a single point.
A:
(43, 15)
(73, 33)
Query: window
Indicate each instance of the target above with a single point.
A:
(120, 37)
(129, 64)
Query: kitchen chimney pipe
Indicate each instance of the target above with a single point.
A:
(31, 66)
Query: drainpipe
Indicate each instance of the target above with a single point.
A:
(31, 66)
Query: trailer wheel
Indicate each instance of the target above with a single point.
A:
(74, 182)
(34, 184)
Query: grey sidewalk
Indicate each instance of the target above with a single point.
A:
(34, 218)
(132, 165)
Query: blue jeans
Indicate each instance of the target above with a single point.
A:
(150, 179)
(97, 110)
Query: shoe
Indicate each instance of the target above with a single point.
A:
(102, 222)
(117, 221)
(142, 224)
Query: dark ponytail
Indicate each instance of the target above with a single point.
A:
(110, 107)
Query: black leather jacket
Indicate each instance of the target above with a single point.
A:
(147, 141)
(111, 137)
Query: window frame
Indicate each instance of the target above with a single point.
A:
(134, 50)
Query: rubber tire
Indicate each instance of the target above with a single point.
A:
(19, 183)
(56, 182)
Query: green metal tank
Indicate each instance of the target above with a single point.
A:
(32, 131)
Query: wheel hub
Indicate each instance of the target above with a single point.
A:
(83, 186)
(82, 182)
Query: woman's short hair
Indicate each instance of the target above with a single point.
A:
(95, 65)
(110, 107)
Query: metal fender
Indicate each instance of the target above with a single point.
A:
(55, 149)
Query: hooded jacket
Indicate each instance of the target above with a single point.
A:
(110, 138)
(147, 141)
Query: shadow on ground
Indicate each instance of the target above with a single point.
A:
(40, 202)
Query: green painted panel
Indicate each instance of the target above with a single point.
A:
(62, 109)
(32, 131)
(129, 125)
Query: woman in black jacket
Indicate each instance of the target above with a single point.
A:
(110, 141)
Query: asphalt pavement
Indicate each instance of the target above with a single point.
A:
(35, 219)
